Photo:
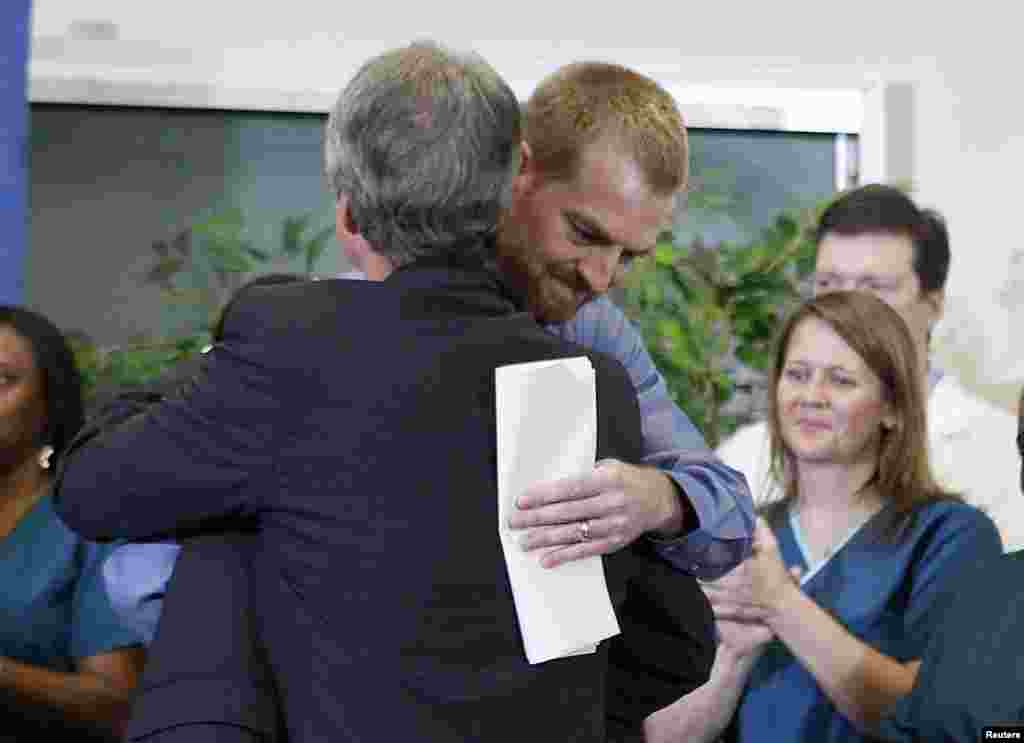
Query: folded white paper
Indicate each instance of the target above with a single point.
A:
(547, 429)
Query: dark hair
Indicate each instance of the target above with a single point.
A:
(62, 384)
(1020, 435)
(267, 279)
(877, 208)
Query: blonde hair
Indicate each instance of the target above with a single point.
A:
(879, 336)
(586, 102)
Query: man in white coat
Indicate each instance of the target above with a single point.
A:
(876, 239)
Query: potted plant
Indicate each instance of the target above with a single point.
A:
(197, 270)
(708, 313)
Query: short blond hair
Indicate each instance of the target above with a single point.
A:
(586, 102)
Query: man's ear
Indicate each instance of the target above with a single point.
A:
(344, 222)
(525, 156)
(936, 302)
(527, 175)
(359, 252)
(348, 234)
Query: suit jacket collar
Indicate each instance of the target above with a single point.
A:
(478, 285)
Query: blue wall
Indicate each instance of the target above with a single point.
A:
(14, 40)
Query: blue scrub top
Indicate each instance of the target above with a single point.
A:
(883, 591)
(53, 606)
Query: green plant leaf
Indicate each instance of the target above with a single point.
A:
(665, 254)
(703, 307)
(315, 246)
(164, 270)
(291, 235)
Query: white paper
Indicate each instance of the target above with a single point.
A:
(547, 429)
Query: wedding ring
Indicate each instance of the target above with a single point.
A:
(584, 531)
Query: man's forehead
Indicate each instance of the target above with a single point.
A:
(871, 253)
(610, 188)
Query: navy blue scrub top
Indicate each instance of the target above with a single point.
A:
(883, 591)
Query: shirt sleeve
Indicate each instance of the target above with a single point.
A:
(955, 540)
(96, 628)
(719, 494)
(135, 576)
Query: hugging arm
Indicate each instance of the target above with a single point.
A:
(698, 510)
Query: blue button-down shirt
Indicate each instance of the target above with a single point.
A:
(719, 494)
(136, 574)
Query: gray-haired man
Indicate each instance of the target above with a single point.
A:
(365, 455)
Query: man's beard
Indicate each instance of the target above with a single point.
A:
(552, 292)
(558, 293)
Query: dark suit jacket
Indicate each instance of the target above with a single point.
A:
(216, 683)
(666, 646)
(355, 422)
(207, 667)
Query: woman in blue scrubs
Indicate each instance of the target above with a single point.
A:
(68, 665)
(822, 629)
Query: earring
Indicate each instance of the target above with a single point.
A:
(44, 457)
